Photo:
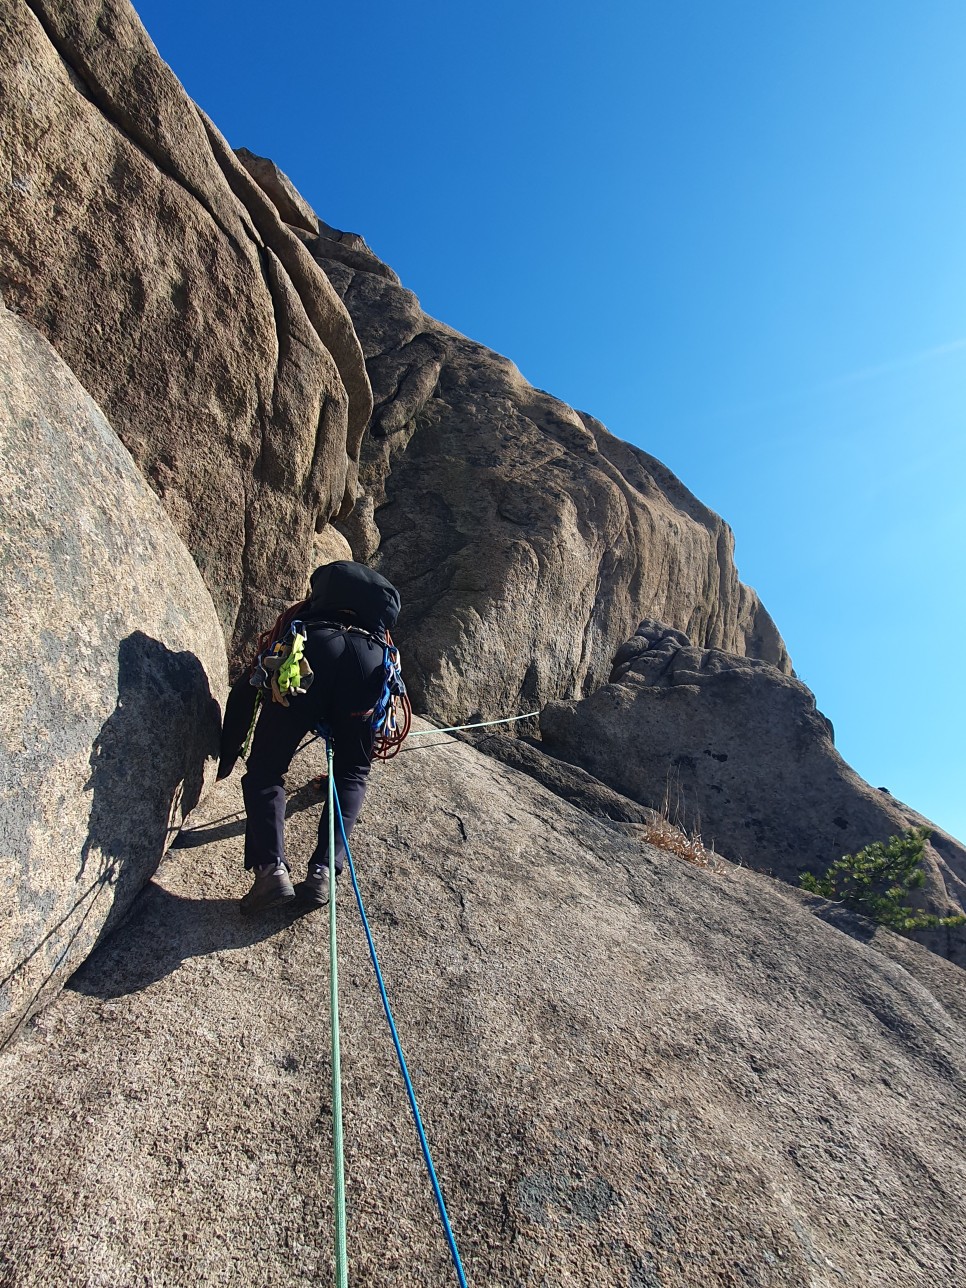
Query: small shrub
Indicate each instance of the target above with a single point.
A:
(663, 834)
(668, 831)
(877, 880)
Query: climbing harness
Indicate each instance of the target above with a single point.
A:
(337, 1138)
(392, 716)
(281, 671)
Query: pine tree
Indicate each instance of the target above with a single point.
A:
(877, 880)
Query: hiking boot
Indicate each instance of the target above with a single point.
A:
(273, 887)
(315, 887)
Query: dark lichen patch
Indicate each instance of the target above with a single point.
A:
(545, 1198)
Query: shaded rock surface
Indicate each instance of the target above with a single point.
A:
(571, 782)
(528, 542)
(631, 1071)
(731, 748)
(133, 238)
(112, 653)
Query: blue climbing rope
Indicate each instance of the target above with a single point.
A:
(437, 1192)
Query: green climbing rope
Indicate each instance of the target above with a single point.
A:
(251, 728)
(338, 1152)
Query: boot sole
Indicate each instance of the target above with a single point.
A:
(312, 897)
(264, 905)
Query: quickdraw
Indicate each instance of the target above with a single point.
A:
(392, 717)
(283, 670)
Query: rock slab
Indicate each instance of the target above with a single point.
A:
(631, 1071)
(113, 661)
(287, 200)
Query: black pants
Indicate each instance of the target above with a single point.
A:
(348, 680)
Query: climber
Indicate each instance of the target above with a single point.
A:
(346, 617)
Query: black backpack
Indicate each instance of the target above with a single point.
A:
(349, 590)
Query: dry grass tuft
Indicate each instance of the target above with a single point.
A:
(665, 836)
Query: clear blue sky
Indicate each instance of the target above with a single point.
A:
(733, 231)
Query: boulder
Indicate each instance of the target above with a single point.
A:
(113, 660)
(329, 545)
(526, 540)
(731, 748)
(141, 247)
(631, 1071)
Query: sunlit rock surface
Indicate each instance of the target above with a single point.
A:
(113, 663)
(139, 245)
(527, 541)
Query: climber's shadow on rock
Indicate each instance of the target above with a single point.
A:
(147, 771)
(164, 930)
(223, 829)
(147, 766)
(147, 762)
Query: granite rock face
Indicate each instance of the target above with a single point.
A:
(159, 269)
(631, 1071)
(731, 748)
(188, 288)
(287, 200)
(527, 541)
(113, 659)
